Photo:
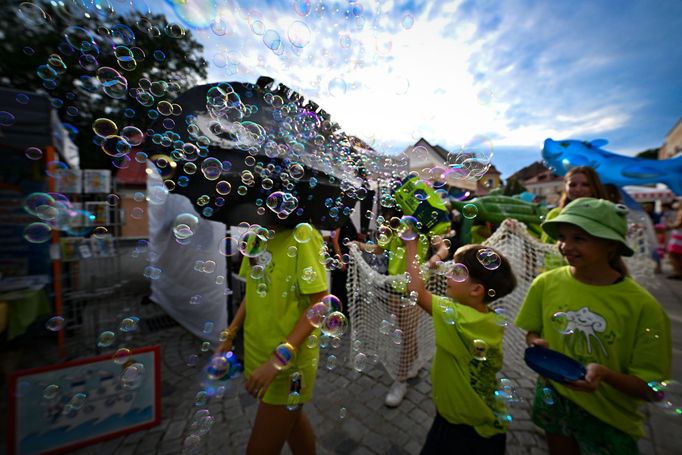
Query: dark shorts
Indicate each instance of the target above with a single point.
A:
(560, 416)
(447, 438)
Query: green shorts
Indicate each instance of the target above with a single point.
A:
(560, 416)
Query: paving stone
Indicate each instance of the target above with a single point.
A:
(354, 429)
(377, 442)
(345, 446)
(361, 450)
(149, 443)
(395, 450)
(126, 449)
(413, 447)
(175, 430)
(134, 437)
(646, 447)
(526, 438)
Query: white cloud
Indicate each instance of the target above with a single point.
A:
(517, 73)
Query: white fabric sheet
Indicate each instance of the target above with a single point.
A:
(192, 297)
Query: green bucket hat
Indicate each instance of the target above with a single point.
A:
(598, 217)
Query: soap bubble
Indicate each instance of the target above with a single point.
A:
(360, 362)
(129, 325)
(55, 324)
(132, 376)
(397, 336)
(337, 87)
(488, 258)
(218, 367)
(122, 356)
(51, 391)
(561, 322)
(331, 362)
(408, 228)
(33, 153)
(254, 241)
(311, 341)
(469, 211)
(458, 272)
(298, 34)
(548, 396)
(293, 401)
(283, 204)
(667, 395)
(479, 349)
(106, 339)
(335, 324)
(212, 168)
(317, 313)
(104, 127)
(501, 317)
(303, 232)
(332, 302)
(37, 232)
(228, 246)
(385, 327)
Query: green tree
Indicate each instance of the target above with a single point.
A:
(61, 50)
(512, 187)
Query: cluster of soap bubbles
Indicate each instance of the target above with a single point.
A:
(199, 426)
(254, 241)
(55, 212)
(489, 259)
(326, 314)
(472, 161)
(390, 327)
(667, 395)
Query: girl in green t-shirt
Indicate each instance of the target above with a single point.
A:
(592, 311)
(284, 278)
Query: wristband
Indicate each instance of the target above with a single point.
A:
(283, 354)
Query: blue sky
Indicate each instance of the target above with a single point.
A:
(516, 71)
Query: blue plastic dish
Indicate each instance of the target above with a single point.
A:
(554, 365)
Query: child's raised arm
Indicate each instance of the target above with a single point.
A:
(424, 297)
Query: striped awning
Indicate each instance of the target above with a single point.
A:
(648, 194)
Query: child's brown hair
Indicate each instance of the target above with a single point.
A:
(501, 279)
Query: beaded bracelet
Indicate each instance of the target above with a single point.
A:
(229, 334)
(283, 354)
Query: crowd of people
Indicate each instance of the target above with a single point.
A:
(607, 311)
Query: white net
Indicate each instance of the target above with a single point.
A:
(388, 324)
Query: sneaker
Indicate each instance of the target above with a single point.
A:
(396, 394)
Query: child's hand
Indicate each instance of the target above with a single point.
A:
(260, 379)
(533, 339)
(595, 373)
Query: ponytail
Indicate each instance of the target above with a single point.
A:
(617, 263)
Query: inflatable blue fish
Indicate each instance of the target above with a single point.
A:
(612, 168)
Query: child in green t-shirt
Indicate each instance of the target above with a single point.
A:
(592, 311)
(468, 355)
(284, 277)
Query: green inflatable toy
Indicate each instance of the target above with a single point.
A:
(495, 209)
(421, 201)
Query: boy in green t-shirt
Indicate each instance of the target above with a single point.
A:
(468, 350)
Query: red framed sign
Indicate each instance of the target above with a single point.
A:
(58, 408)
